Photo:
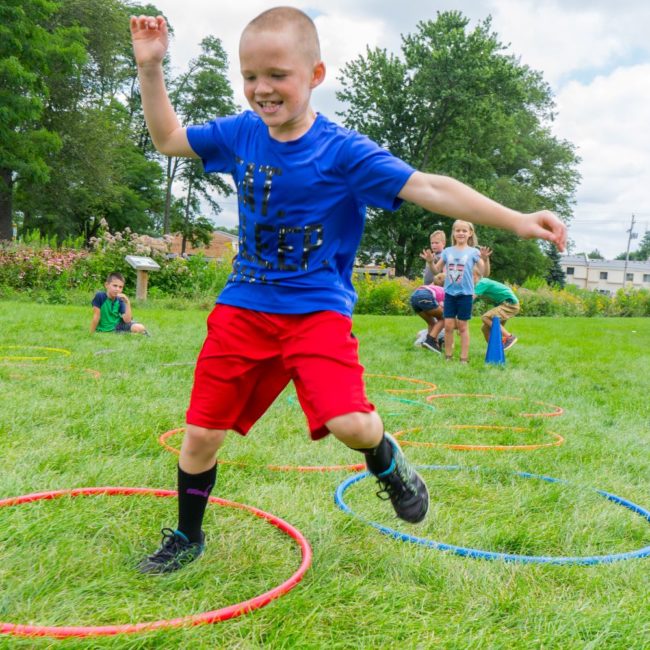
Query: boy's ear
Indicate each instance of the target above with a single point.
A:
(318, 75)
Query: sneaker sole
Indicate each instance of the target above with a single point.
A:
(430, 347)
(425, 509)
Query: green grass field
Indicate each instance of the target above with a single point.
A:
(93, 418)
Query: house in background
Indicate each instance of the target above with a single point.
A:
(222, 247)
(605, 276)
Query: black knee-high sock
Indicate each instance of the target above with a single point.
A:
(379, 458)
(193, 493)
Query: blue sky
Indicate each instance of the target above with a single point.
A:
(595, 55)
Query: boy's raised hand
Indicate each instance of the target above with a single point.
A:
(150, 39)
(544, 225)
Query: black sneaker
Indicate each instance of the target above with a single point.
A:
(174, 553)
(431, 344)
(403, 486)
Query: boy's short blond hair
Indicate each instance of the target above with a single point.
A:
(439, 279)
(438, 233)
(278, 18)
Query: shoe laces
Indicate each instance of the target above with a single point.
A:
(396, 484)
(169, 545)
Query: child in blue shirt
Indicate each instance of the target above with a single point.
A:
(303, 184)
(458, 262)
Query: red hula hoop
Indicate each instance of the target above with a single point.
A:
(214, 616)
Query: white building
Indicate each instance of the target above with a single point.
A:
(605, 276)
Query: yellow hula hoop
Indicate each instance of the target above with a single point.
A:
(557, 410)
(62, 351)
(430, 387)
(559, 440)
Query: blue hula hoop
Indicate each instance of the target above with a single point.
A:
(493, 555)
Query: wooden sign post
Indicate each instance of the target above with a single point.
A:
(142, 265)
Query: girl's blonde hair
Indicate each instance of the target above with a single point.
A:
(472, 240)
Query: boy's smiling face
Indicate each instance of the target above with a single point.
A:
(278, 79)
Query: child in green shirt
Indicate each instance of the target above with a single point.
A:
(506, 306)
(112, 309)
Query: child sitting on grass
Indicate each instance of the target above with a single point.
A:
(112, 309)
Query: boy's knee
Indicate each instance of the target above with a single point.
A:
(201, 439)
(357, 430)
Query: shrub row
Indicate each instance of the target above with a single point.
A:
(41, 272)
(392, 297)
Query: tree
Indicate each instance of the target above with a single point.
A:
(555, 275)
(595, 255)
(455, 104)
(31, 51)
(194, 228)
(197, 96)
(642, 253)
(98, 171)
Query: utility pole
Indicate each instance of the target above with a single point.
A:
(632, 235)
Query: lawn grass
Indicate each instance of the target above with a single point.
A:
(93, 419)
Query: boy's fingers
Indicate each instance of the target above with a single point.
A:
(148, 23)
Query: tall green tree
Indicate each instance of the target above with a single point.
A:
(454, 103)
(99, 171)
(33, 49)
(555, 275)
(200, 94)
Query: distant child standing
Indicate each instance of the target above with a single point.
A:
(437, 243)
(506, 307)
(112, 309)
(459, 261)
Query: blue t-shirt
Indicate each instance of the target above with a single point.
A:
(302, 207)
(459, 267)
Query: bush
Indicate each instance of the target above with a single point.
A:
(389, 297)
(37, 269)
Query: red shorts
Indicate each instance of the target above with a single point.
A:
(249, 357)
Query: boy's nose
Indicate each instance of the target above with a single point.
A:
(263, 87)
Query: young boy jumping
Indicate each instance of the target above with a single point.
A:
(303, 184)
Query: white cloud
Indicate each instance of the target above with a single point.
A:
(554, 39)
(595, 55)
(608, 121)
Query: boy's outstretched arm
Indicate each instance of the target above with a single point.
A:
(450, 197)
(150, 41)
